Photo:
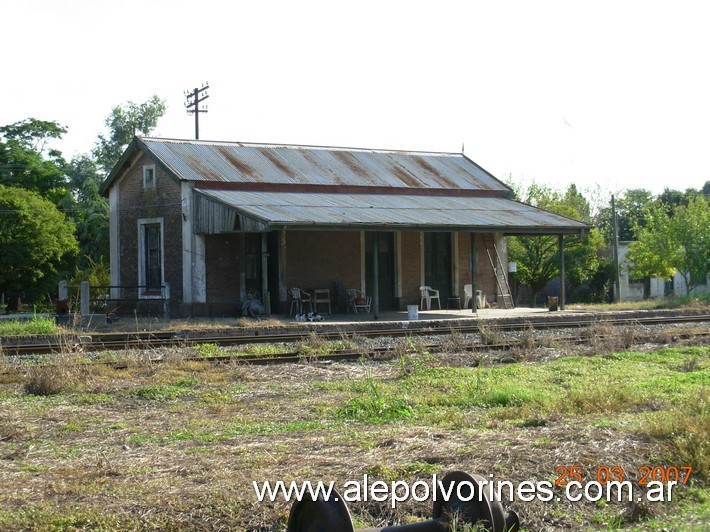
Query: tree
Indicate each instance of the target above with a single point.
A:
(538, 256)
(37, 243)
(24, 163)
(631, 207)
(124, 122)
(675, 242)
(32, 133)
(91, 213)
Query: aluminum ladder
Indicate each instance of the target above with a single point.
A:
(498, 271)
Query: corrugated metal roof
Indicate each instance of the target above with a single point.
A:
(299, 165)
(294, 209)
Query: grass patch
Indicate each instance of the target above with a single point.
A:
(694, 301)
(407, 470)
(34, 326)
(686, 425)
(273, 427)
(568, 387)
(164, 392)
(63, 519)
(315, 345)
(376, 406)
(259, 350)
(87, 398)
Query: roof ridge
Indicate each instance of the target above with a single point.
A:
(295, 146)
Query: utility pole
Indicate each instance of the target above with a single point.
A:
(615, 228)
(194, 98)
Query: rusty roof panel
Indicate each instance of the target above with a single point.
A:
(415, 211)
(288, 165)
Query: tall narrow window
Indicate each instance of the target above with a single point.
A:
(149, 176)
(150, 260)
(153, 266)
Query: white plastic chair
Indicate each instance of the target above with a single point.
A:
(481, 298)
(298, 299)
(468, 293)
(428, 293)
(358, 300)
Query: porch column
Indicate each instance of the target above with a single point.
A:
(114, 240)
(472, 268)
(283, 288)
(265, 297)
(194, 273)
(422, 264)
(455, 264)
(561, 245)
(363, 288)
(398, 265)
(376, 275)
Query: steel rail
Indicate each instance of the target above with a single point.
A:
(152, 340)
(377, 353)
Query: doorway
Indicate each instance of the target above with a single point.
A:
(437, 263)
(385, 266)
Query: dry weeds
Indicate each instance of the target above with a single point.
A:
(104, 453)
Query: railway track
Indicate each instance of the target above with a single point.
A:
(154, 340)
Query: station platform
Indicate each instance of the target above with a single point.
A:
(431, 315)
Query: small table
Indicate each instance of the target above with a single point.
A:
(322, 296)
(456, 301)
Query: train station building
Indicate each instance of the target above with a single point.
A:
(213, 222)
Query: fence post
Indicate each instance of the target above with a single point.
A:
(63, 291)
(166, 301)
(84, 306)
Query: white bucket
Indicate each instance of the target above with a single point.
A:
(412, 312)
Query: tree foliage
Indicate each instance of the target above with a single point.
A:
(24, 163)
(538, 257)
(124, 122)
(92, 213)
(678, 241)
(37, 243)
(631, 207)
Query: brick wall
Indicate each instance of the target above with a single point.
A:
(162, 202)
(485, 277)
(317, 259)
(223, 263)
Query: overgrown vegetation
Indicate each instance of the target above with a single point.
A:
(36, 325)
(178, 444)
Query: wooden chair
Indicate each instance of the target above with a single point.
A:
(358, 300)
(298, 299)
(428, 293)
(321, 296)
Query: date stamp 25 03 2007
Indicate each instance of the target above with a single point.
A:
(605, 474)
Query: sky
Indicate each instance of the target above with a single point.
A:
(609, 95)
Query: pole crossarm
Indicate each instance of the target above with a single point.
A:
(194, 98)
